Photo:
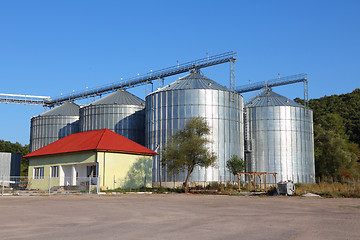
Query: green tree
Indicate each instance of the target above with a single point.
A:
(334, 155)
(337, 134)
(236, 165)
(345, 105)
(188, 148)
(334, 122)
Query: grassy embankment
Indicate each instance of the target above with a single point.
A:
(334, 190)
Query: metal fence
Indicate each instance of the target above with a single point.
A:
(21, 185)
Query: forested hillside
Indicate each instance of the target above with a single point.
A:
(6, 146)
(347, 106)
(337, 134)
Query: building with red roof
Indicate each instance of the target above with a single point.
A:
(100, 157)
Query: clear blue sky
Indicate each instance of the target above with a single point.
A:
(53, 47)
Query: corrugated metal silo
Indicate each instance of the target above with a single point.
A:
(168, 109)
(9, 165)
(121, 112)
(53, 125)
(279, 138)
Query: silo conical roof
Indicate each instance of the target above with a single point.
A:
(270, 98)
(120, 97)
(193, 80)
(66, 109)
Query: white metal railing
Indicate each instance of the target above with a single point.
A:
(23, 99)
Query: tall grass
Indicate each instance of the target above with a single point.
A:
(333, 190)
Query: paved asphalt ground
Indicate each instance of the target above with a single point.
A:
(177, 216)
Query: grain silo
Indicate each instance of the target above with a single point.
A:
(279, 138)
(168, 109)
(10, 164)
(53, 125)
(120, 112)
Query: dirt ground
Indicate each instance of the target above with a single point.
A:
(177, 216)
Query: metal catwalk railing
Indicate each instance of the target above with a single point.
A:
(278, 82)
(23, 99)
(148, 77)
(273, 83)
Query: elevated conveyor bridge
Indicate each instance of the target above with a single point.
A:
(149, 77)
(156, 75)
(278, 82)
(23, 99)
(126, 83)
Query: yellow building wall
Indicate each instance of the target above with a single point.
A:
(55, 160)
(119, 170)
(116, 170)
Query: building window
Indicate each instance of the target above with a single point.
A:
(39, 173)
(55, 171)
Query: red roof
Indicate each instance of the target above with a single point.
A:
(101, 140)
